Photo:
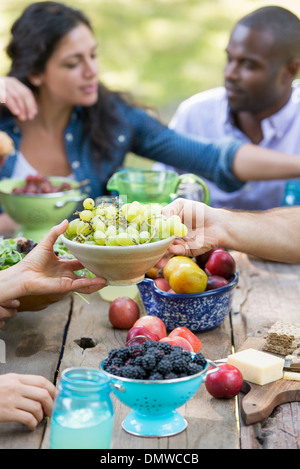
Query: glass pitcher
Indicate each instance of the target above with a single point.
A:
(147, 186)
(82, 415)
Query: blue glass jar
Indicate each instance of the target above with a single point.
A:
(292, 193)
(82, 415)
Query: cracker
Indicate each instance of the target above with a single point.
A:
(283, 338)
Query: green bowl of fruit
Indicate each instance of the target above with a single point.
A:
(37, 203)
(121, 242)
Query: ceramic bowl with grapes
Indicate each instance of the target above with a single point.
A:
(119, 265)
(121, 242)
(37, 213)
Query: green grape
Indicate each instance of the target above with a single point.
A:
(144, 226)
(83, 228)
(72, 228)
(111, 231)
(130, 211)
(112, 241)
(110, 212)
(88, 204)
(164, 234)
(131, 229)
(133, 225)
(180, 230)
(86, 215)
(171, 222)
(100, 210)
(124, 239)
(99, 237)
(159, 224)
(144, 237)
(98, 224)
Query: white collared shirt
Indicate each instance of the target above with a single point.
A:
(207, 115)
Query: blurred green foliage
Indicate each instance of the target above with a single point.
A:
(161, 50)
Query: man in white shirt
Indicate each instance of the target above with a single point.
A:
(260, 102)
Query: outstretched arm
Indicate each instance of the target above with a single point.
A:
(271, 234)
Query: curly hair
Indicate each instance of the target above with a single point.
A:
(35, 36)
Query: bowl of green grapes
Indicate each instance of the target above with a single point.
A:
(121, 242)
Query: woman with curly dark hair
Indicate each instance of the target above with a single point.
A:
(65, 123)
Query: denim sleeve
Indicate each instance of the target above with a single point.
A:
(212, 160)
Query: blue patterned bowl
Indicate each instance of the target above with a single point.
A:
(198, 311)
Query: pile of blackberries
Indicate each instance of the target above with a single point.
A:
(153, 361)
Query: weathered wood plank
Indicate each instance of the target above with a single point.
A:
(33, 345)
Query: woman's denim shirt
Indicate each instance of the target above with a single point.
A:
(140, 133)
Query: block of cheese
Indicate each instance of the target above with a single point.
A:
(256, 366)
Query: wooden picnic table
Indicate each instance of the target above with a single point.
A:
(48, 341)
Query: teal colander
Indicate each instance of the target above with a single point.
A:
(154, 403)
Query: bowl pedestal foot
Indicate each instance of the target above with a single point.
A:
(167, 424)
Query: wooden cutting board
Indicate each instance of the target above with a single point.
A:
(259, 401)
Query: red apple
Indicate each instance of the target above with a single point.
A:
(141, 330)
(153, 324)
(162, 284)
(189, 336)
(225, 383)
(138, 339)
(180, 341)
(123, 312)
(203, 258)
(172, 291)
(215, 281)
(221, 263)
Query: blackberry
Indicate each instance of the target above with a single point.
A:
(199, 358)
(171, 375)
(135, 350)
(122, 353)
(165, 346)
(113, 352)
(179, 366)
(149, 362)
(106, 363)
(193, 368)
(156, 376)
(179, 357)
(158, 354)
(147, 344)
(113, 369)
(139, 361)
(164, 366)
(131, 371)
(117, 361)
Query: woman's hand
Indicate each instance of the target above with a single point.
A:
(25, 398)
(19, 99)
(41, 272)
(44, 273)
